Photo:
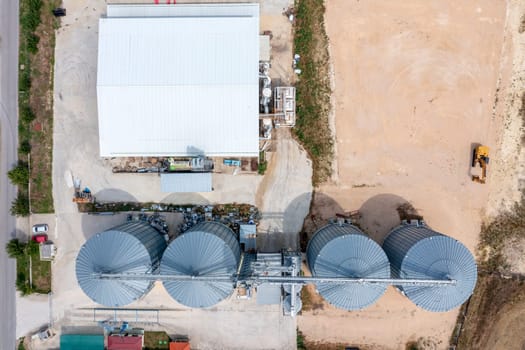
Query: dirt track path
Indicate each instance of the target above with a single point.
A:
(284, 195)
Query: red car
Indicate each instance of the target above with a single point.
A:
(40, 238)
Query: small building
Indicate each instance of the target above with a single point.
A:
(186, 182)
(47, 251)
(82, 341)
(184, 345)
(125, 342)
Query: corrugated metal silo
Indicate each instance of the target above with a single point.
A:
(415, 251)
(345, 251)
(207, 249)
(133, 247)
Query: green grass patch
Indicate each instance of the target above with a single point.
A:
(263, 164)
(300, 341)
(41, 274)
(156, 340)
(313, 87)
(40, 271)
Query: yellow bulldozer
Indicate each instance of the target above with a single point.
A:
(480, 157)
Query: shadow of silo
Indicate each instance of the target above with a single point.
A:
(381, 213)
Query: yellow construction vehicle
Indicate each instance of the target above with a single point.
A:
(480, 157)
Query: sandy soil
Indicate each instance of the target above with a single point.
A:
(508, 168)
(509, 326)
(412, 93)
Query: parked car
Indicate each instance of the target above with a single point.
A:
(43, 334)
(40, 228)
(40, 238)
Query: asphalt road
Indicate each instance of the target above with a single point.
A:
(8, 149)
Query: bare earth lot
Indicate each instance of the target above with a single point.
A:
(414, 88)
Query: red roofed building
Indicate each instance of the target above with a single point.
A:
(179, 346)
(117, 342)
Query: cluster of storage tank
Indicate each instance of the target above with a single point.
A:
(211, 249)
(410, 251)
(207, 249)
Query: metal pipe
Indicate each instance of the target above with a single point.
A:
(280, 279)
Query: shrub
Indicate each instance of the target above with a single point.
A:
(25, 147)
(20, 206)
(23, 132)
(26, 114)
(24, 80)
(21, 344)
(19, 175)
(32, 248)
(262, 167)
(15, 248)
(32, 43)
(22, 283)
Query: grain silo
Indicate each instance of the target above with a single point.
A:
(345, 251)
(134, 247)
(207, 249)
(417, 252)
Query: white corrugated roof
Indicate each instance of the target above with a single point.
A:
(179, 85)
(183, 10)
(186, 182)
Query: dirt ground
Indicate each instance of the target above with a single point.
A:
(495, 317)
(412, 94)
(507, 332)
(508, 168)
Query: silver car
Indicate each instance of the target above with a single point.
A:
(40, 228)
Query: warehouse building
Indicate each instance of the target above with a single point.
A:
(179, 80)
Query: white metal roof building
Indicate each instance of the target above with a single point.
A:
(179, 80)
(186, 182)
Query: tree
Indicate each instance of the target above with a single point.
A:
(15, 248)
(19, 175)
(20, 206)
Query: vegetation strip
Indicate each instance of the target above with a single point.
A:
(35, 120)
(496, 287)
(313, 87)
(34, 280)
